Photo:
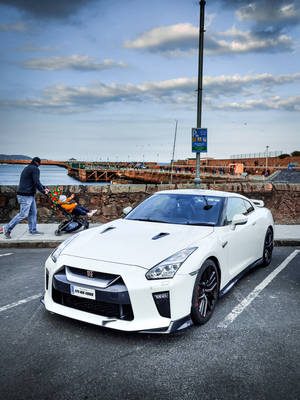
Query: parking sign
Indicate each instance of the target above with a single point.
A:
(199, 140)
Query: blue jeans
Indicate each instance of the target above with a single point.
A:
(79, 210)
(27, 209)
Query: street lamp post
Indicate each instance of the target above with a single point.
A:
(267, 155)
(202, 3)
(172, 161)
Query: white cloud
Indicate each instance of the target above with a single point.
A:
(176, 40)
(180, 91)
(236, 41)
(269, 11)
(77, 62)
(166, 38)
(275, 103)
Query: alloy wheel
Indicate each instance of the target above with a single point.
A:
(268, 247)
(205, 293)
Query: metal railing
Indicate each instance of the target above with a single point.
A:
(256, 155)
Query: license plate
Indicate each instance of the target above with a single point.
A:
(83, 292)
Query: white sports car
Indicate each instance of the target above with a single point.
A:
(163, 266)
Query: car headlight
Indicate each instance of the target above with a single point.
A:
(57, 252)
(168, 268)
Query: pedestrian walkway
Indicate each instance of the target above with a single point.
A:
(285, 235)
(20, 236)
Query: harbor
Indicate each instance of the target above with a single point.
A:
(179, 172)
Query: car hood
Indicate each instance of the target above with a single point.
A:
(140, 243)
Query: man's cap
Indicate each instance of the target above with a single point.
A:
(36, 160)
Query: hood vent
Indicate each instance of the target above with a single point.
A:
(160, 235)
(108, 229)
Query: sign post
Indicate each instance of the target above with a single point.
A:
(197, 179)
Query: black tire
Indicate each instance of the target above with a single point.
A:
(268, 248)
(57, 233)
(206, 292)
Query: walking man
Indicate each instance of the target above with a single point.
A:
(29, 182)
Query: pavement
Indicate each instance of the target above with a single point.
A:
(285, 235)
(248, 350)
(20, 236)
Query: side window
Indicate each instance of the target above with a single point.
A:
(235, 205)
(249, 206)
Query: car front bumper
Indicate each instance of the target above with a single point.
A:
(129, 305)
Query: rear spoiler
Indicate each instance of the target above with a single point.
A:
(258, 203)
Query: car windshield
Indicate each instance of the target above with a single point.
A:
(186, 209)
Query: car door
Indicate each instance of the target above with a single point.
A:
(257, 232)
(237, 242)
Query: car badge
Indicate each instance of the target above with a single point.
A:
(90, 274)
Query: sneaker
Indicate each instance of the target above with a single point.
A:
(6, 234)
(91, 213)
(36, 233)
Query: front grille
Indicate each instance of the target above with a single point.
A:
(119, 311)
(112, 301)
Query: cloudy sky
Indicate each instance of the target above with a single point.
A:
(106, 79)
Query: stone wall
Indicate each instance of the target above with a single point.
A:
(282, 199)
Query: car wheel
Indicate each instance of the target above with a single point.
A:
(268, 248)
(86, 225)
(205, 294)
(57, 233)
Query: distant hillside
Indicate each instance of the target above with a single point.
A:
(14, 157)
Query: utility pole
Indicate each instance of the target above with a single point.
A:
(172, 161)
(202, 3)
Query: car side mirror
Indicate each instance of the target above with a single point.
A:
(238, 219)
(127, 210)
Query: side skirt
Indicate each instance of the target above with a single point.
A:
(239, 276)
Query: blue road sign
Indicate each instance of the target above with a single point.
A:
(199, 140)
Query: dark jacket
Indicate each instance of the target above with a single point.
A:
(30, 181)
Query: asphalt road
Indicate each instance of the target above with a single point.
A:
(257, 356)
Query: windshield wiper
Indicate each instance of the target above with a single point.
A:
(149, 220)
(199, 223)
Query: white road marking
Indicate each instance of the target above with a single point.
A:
(255, 292)
(18, 303)
(6, 254)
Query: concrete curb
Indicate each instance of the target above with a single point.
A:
(28, 245)
(52, 244)
(287, 242)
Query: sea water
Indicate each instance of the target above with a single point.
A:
(49, 175)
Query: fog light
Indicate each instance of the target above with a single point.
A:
(162, 302)
(162, 295)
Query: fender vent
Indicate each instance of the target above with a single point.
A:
(160, 235)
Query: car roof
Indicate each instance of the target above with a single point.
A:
(202, 192)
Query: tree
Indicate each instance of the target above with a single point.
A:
(284, 155)
(295, 153)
